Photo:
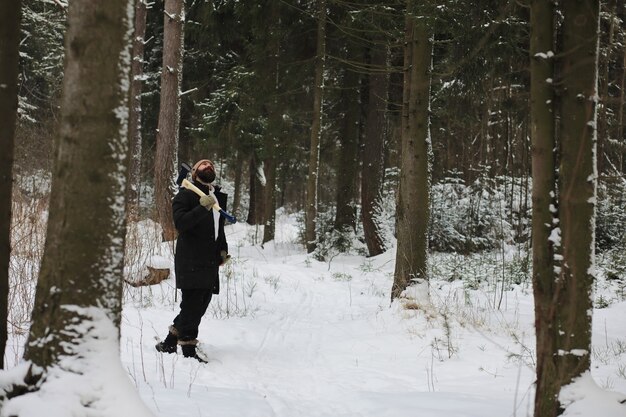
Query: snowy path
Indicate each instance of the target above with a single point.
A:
(315, 342)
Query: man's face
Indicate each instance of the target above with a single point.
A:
(203, 166)
(206, 172)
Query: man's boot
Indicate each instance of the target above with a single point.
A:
(189, 350)
(170, 343)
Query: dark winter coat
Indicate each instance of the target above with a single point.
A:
(197, 258)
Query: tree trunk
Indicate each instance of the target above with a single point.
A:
(577, 189)
(604, 64)
(257, 192)
(373, 150)
(563, 285)
(347, 161)
(134, 118)
(413, 210)
(169, 115)
(83, 232)
(620, 112)
(77, 311)
(238, 181)
(314, 156)
(185, 138)
(269, 230)
(543, 192)
(9, 45)
(272, 76)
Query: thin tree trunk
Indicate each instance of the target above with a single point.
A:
(544, 180)
(134, 119)
(603, 133)
(314, 156)
(413, 211)
(274, 122)
(373, 150)
(347, 161)
(257, 192)
(9, 45)
(238, 181)
(169, 115)
(620, 114)
(185, 139)
(269, 229)
(252, 186)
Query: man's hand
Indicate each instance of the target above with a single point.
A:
(225, 257)
(207, 201)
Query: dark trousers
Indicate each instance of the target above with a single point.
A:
(193, 305)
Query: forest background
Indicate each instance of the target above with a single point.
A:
(237, 74)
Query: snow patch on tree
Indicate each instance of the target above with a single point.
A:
(89, 380)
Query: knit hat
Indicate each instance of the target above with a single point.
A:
(196, 165)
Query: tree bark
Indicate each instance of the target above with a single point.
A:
(413, 210)
(373, 150)
(577, 189)
(165, 164)
(544, 179)
(134, 118)
(348, 158)
(274, 117)
(10, 17)
(269, 229)
(604, 64)
(622, 98)
(563, 285)
(84, 230)
(314, 156)
(238, 180)
(78, 303)
(257, 192)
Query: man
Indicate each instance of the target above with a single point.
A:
(201, 249)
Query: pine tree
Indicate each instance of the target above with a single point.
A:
(563, 284)
(577, 78)
(165, 164)
(134, 122)
(373, 148)
(347, 159)
(43, 26)
(414, 190)
(314, 148)
(542, 46)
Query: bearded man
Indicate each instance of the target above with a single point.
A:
(201, 249)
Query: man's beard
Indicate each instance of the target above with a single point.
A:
(206, 176)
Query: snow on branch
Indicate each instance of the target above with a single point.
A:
(62, 4)
(170, 15)
(182, 93)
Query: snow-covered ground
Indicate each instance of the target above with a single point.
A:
(290, 336)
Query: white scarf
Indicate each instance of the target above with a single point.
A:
(216, 214)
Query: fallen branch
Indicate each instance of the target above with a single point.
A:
(155, 276)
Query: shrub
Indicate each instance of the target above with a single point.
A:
(468, 219)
